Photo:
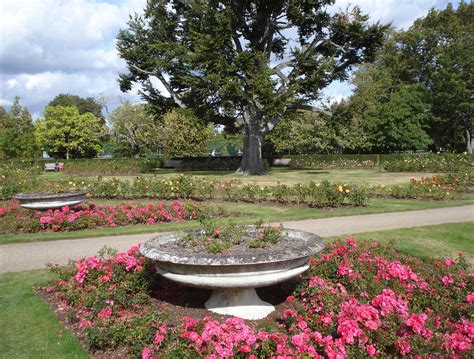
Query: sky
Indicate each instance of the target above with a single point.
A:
(48, 47)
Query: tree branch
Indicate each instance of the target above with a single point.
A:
(344, 65)
(238, 45)
(146, 72)
(310, 108)
(165, 83)
(282, 65)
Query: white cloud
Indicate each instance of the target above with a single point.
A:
(49, 47)
(401, 13)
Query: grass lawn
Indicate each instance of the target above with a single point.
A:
(368, 176)
(243, 213)
(30, 330)
(431, 241)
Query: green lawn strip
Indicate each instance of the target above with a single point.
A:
(444, 240)
(244, 213)
(367, 176)
(28, 327)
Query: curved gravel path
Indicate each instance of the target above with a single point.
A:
(35, 255)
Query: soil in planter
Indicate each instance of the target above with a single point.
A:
(183, 247)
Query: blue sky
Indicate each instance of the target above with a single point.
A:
(49, 47)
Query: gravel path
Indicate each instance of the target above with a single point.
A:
(35, 255)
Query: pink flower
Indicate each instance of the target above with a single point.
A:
(160, 337)
(326, 319)
(85, 323)
(403, 347)
(289, 313)
(46, 220)
(449, 262)
(370, 349)
(349, 330)
(302, 324)
(417, 322)
(470, 298)
(351, 241)
(105, 313)
(371, 325)
(388, 302)
(447, 279)
(147, 353)
(298, 340)
(344, 269)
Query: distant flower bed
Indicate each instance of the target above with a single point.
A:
(357, 300)
(432, 162)
(436, 187)
(333, 161)
(324, 194)
(183, 187)
(13, 218)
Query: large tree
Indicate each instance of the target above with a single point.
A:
(65, 133)
(134, 128)
(250, 60)
(437, 52)
(83, 105)
(393, 115)
(17, 133)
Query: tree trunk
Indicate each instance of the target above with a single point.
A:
(67, 154)
(469, 141)
(252, 163)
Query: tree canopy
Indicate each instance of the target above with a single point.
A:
(65, 133)
(17, 133)
(183, 134)
(134, 129)
(250, 61)
(84, 105)
(437, 51)
(418, 92)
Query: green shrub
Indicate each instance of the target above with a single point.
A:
(111, 167)
(16, 179)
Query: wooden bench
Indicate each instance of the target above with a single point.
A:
(281, 161)
(171, 163)
(52, 166)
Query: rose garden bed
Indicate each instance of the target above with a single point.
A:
(14, 219)
(358, 299)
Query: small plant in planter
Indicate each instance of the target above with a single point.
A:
(267, 235)
(218, 238)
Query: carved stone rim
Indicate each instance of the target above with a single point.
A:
(39, 195)
(306, 244)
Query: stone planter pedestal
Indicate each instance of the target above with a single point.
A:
(233, 279)
(45, 201)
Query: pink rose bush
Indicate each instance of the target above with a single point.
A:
(357, 300)
(15, 219)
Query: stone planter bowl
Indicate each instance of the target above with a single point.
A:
(45, 201)
(233, 279)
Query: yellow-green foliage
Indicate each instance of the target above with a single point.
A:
(183, 134)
